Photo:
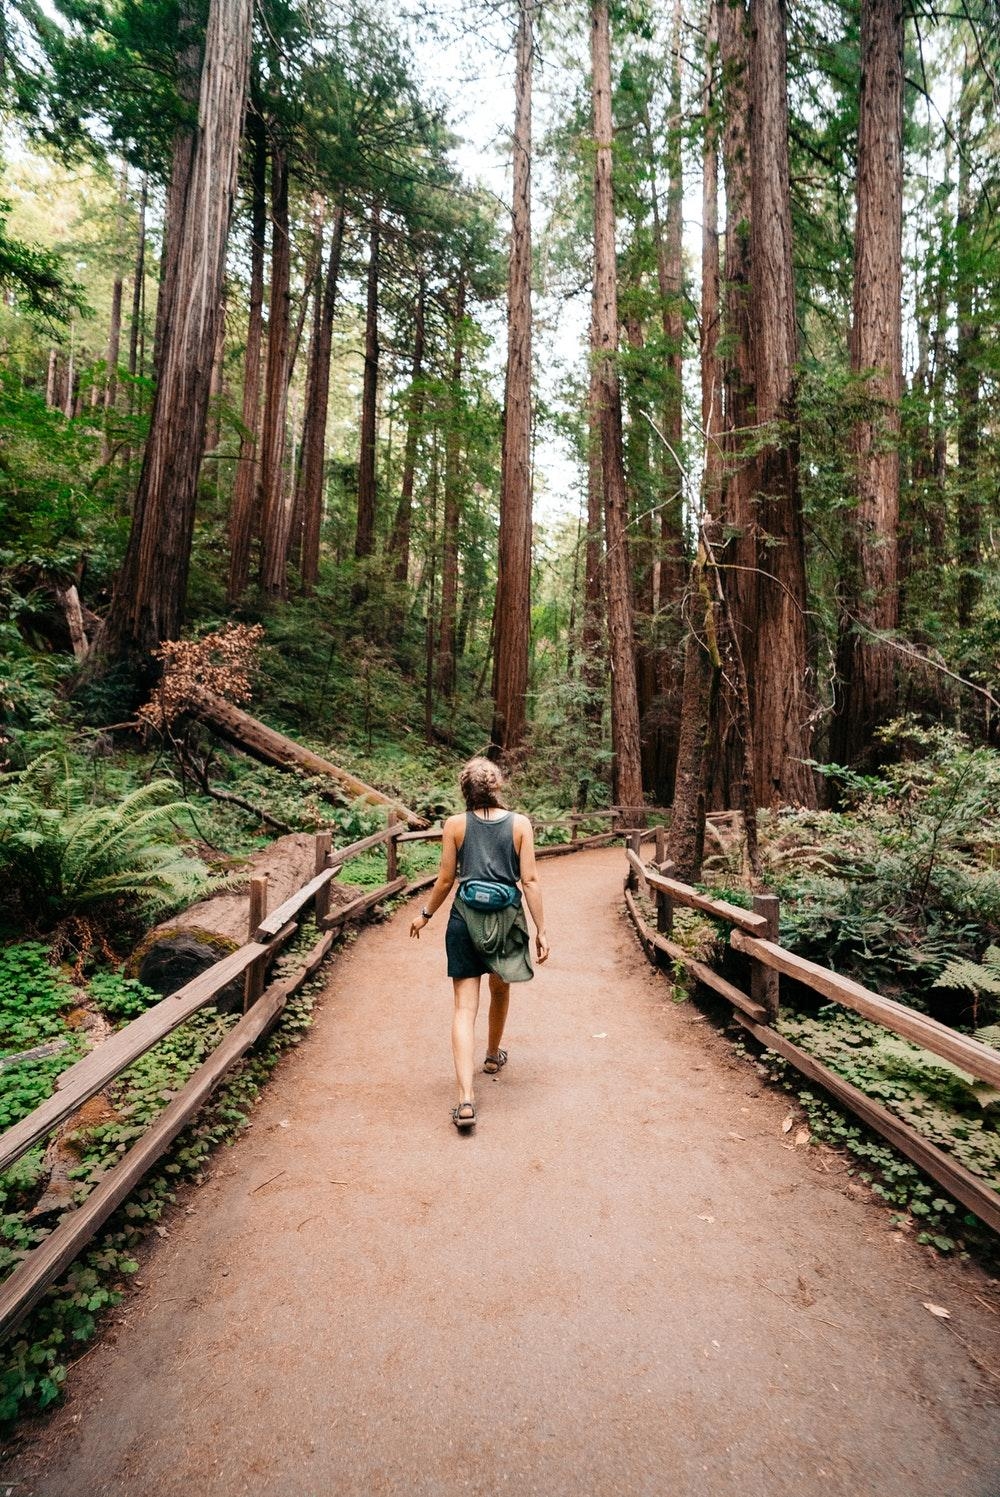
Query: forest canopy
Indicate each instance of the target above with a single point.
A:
(710, 506)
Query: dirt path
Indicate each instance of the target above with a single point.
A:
(625, 1282)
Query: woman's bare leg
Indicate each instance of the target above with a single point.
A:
(499, 1004)
(463, 1034)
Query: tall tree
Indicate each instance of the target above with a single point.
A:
(148, 601)
(399, 545)
(512, 608)
(313, 464)
(868, 691)
(275, 520)
(968, 354)
(779, 675)
(244, 501)
(710, 361)
(627, 763)
(452, 485)
(364, 539)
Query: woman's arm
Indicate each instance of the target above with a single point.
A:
(446, 874)
(532, 888)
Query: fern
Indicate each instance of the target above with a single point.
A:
(61, 854)
(973, 977)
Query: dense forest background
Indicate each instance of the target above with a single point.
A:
(831, 419)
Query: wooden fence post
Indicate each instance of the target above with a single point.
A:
(661, 847)
(391, 849)
(635, 845)
(321, 904)
(763, 980)
(664, 904)
(253, 981)
(574, 830)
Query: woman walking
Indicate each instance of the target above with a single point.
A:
(489, 850)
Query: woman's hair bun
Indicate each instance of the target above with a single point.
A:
(481, 783)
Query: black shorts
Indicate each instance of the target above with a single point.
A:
(463, 958)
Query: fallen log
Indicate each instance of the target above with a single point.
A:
(261, 742)
(187, 944)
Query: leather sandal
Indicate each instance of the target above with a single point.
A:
(464, 1115)
(494, 1063)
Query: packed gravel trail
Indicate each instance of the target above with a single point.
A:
(625, 1281)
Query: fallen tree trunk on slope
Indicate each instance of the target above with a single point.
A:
(264, 743)
(187, 944)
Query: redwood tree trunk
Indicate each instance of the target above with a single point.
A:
(147, 606)
(314, 429)
(735, 508)
(452, 483)
(399, 546)
(627, 767)
(779, 699)
(364, 539)
(512, 609)
(242, 511)
(593, 598)
(968, 355)
(115, 327)
(274, 509)
(868, 689)
(711, 366)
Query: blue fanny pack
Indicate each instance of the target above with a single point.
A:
(483, 894)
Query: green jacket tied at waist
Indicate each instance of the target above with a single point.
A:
(502, 939)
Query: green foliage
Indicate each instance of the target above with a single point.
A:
(35, 999)
(63, 855)
(35, 277)
(927, 1093)
(906, 880)
(120, 998)
(48, 507)
(974, 977)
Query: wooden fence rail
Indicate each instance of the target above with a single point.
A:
(755, 935)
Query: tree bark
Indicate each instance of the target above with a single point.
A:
(735, 509)
(314, 429)
(867, 695)
(115, 324)
(627, 766)
(148, 601)
(512, 609)
(399, 546)
(967, 356)
(447, 647)
(245, 488)
(702, 663)
(364, 539)
(274, 509)
(778, 680)
(711, 365)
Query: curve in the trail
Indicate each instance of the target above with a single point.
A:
(626, 1281)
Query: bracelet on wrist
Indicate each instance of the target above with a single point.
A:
(425, 914)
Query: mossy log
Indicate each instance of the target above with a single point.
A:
(261, 742)
(182, 947)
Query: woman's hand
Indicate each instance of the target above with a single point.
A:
(541, 947)
(416, 926)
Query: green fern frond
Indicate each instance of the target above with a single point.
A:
(62, 853)
(973, 977)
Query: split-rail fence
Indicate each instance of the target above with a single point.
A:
(754, 933)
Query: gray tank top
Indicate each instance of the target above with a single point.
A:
(488, 851)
